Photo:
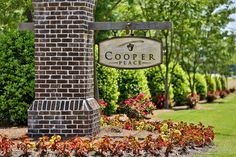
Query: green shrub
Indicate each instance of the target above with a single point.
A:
(201, 86)
(218, 83)
(223, 81)
(17, 75)
(156, 82)
(180, 85)
(108, 87)
(132, 83)
(211, 84)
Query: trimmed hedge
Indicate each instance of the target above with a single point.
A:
(211, 84)
(201, 86)
(17, 75)
(155, 80)
(223, 81)
(218, 83)
(108, 86)
(180, 85)
(131, 83)
(156, 83)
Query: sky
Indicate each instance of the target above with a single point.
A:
(232, 25)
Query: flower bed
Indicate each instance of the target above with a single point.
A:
(171, 138)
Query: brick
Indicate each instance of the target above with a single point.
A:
(55, 122)
(66, 131)
(71, 117)
(66, 112)
(78, 131)
(71, 126)
(60, 117)
(38, 126)
(32, 131)
(43, 122)
(77, 121)
(48, 117)
(60, 126)
(67, 122)
(55, 131)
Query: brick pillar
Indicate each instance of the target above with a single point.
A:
(64, 102)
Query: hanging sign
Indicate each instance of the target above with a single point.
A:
(130, 52)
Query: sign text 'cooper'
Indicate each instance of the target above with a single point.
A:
(130, 52)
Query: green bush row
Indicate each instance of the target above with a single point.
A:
(17, 80)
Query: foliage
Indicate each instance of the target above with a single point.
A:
(169, 136)
(6, 146)
(218, 83)
(131, 83)
(211, 84)
(200, 86)
(159, 101)
(223, 81)
(175, 133)
(210, 97)
(232, 90)
(17, 75)
(25, 145)
(41, 145)
(198, 26)
(192, 100)
(180, 85)
(156, 82)
(13, 12)
(223, 94)
(103, 106)
(108, 86)
(137, 107)
(105, 11)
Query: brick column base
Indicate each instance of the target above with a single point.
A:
(64, 117)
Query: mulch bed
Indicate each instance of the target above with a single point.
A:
(116, 134)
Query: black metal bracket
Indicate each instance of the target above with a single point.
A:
(129, 25)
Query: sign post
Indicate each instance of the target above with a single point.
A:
(64, 102)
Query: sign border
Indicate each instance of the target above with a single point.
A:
(131, 68)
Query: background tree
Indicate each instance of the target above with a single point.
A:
(13, 12)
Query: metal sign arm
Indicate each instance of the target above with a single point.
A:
(129, 25)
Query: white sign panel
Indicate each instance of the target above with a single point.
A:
(130, 52)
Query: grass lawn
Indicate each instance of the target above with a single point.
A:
(221, 115)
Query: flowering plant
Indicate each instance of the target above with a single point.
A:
(192, 100)
(6, 145)
(138, 107)
(223, 94)
(159, 101)
(25, 145)
(210, 96)
(102, 104)
(232, 90)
